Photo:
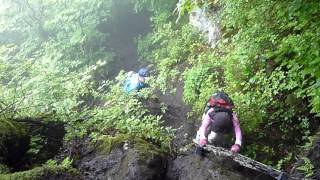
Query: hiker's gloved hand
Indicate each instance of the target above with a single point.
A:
(202, 142)
(235, 148)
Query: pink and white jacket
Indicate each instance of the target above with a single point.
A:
(206, 123)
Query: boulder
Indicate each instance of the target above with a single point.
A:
(122, 157)
(191, 166)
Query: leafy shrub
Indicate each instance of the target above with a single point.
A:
(267, 60)
(121, 113)
(307, 167)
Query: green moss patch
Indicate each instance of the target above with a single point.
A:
(144, 148)
(40, 173)
(107, 143)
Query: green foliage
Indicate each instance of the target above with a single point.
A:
(107, 143)
(36, 143)
(307, 168)
(309, 144)
(122, 113)
(196, 78)
(50, 170)
(50, 65)
(4, 169)
(284, 161)
(29, 92)
(185, 6)
(66, 163)
(155, 6)
(179, 43)
(282, 36)
(264, 153)
(267, 60)
(146, 149)
(51, 53)
(51, 163)
(276, 43)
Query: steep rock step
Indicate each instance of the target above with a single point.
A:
(121, 157)
(191, 166)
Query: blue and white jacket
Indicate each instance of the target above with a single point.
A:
(132, 83)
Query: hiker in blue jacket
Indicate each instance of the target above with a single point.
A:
(135, 81)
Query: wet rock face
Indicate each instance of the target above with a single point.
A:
(196, 167)
(208, 25)
(125, 161)
(119, 157)
(191, 166)
(121, 164)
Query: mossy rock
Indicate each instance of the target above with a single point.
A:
(14, 142)
(44, 172)
(107, 143)
(144, 148)
(123, 157)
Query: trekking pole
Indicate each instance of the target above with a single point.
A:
(245, 161)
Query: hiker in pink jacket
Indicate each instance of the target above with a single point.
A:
(219, 119)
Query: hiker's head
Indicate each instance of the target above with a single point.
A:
(143, 72)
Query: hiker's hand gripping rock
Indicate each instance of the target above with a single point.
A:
(235, 148)
(202, 142)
